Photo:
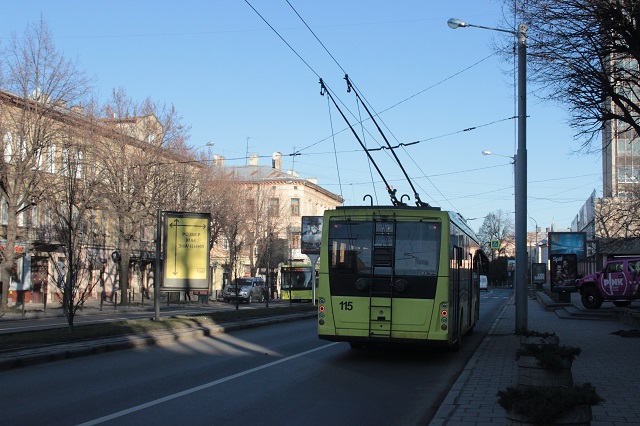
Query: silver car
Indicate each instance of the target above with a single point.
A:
(248, 290)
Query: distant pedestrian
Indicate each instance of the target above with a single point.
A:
(187, 295)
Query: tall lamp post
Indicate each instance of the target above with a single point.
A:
(208, 144)
(521, 170)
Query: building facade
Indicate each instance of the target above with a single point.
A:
(279, 198)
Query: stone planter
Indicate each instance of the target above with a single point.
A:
(530, 373)
(580, 415)
(540, 340)
(549, 405)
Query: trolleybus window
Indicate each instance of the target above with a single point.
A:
(416, 251)
(417, 248)
(350, 246)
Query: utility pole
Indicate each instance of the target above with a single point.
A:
(246, 154)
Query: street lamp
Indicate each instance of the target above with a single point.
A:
(208, 144)
(513, 159)
(520, 170)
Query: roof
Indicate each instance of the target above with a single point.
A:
(274, 176)
(619, 246)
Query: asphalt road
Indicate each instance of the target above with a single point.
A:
(278, 374)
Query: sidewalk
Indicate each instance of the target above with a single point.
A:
(608, 361)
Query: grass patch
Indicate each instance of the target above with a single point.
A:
(27, 339)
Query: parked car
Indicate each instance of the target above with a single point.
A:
(484, 283)
(251, 289)
(619, 282)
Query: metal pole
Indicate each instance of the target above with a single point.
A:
(521, 186)
(156, 273)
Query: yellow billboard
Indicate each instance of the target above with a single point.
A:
(186, 251)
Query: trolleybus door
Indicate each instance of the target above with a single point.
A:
(454, 288)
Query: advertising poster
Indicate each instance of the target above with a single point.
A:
(568, 243)
(186, 251)
(564, 270)
(311, 234)
(539, 273)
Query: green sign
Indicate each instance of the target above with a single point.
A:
(495, 244)
(186, 251)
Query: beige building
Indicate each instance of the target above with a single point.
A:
(285, 195)
(134, 174)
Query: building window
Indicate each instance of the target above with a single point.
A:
(4, 212)
(225, 244)
(33, 218)
(295, 242)
(629, 174)
(274, 206)
(295, 207)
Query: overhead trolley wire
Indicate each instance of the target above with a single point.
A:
(282, 38)
(350, 85)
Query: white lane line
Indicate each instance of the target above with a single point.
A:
(199, 388)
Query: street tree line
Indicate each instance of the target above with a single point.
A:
(584, 55)
(81, 174)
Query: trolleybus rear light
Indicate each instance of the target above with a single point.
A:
(444, 313)
(321, 308)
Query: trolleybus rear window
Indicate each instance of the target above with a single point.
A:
(358, 247)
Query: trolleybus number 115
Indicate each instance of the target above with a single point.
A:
(346, 306)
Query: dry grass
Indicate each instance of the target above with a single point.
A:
(27, 339)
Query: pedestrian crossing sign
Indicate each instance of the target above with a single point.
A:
(495, 244)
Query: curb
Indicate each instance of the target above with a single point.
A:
(38, 355)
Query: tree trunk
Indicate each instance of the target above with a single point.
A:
(9, 255)
(125, 257)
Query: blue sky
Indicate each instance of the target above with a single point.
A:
(237, 83)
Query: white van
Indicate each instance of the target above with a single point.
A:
(483, 283)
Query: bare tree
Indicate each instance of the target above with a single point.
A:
(217, 193)
(39, 81)
(497, 226)
(143, 168)
(266, 221)
(618, 218)
(584, 54)
(72, 198)
(229, 214)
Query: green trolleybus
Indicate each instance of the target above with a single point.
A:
(296, 282)
(398, 274)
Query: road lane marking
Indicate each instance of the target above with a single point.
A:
(199, 388)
